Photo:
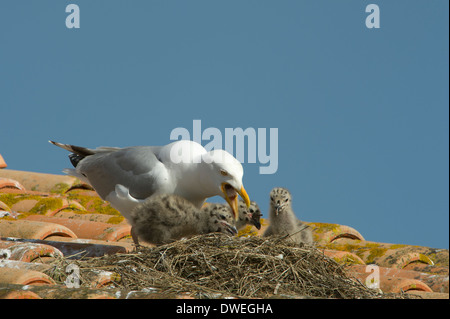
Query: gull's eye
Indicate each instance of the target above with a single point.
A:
(286, 199)
(223, 172)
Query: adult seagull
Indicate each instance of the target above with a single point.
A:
(125, 177)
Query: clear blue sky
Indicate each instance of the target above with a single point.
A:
(362, 114)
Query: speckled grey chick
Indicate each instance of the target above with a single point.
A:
(165, 218)
(282, 218)
(247, 216)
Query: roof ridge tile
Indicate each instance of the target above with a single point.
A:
(2, 162)
(87, 229)
(33, 229)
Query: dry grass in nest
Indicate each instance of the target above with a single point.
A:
(217, 266)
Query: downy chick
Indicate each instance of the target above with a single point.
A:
(282, 218)
(165, 218)
(247, 216)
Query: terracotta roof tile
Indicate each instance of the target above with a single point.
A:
(88, 229)
(2, 162)
(343, 257)
(393, 255)
(14, 291)
(395, 284)
(75, 248)
(18, 293)
(43, 204)
(33, 229)
(433, 282)
(24, 277)
(91, 202)
(41, 182)
(46, 216)
(28, 251)
(431, 269)
(8, 263)
(429, 295)
(10, 183)
(4, 207)
(325, 233)
(93, 217)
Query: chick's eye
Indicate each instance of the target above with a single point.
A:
(223, 172)
(287, 199)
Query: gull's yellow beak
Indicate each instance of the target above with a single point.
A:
(232, 199)
(244, 196)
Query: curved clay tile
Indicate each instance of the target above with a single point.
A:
(10, 183)
(4, 207)
(391, 255)
(41, 182)
(325, 233)
(436, 283)
(343, 257)
(88, 229)
(29, 252)
(9, 293)
(24, 277)
(2, 162)
(33, 229)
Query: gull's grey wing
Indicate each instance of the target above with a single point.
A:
(132, 167)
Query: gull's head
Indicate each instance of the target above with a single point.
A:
(280, 199)
(226, 174)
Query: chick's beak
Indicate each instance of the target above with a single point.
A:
(277, 209)
(230, 228)
(232, 199)
(257, 224)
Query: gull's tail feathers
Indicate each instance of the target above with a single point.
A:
(79, 152)
(83, 151)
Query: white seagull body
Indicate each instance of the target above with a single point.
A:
(125, 177)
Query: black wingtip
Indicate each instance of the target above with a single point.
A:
(75, 159)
